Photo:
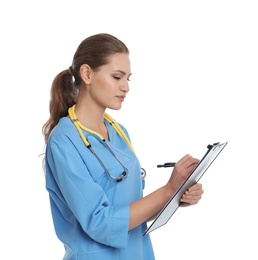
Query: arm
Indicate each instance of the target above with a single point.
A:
(148, 207)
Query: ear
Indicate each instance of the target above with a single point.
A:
(86, 73)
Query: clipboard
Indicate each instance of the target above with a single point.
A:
(173, 204)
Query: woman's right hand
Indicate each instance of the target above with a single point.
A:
(181, 171)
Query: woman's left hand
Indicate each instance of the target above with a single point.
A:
(193, 194)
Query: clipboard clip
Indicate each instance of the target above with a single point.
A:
(211, 145)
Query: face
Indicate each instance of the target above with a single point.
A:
(109, 85)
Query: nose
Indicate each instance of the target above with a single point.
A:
(125, 87)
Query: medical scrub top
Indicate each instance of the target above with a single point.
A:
(90, 210)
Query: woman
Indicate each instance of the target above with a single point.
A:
(92, 173)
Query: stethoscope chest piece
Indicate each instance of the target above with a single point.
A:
(143, 173)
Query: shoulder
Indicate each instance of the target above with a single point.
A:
(64, 130)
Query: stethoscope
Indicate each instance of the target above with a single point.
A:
(118, 129)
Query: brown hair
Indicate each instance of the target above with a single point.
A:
(93, 51)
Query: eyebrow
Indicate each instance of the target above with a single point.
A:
(123, 72)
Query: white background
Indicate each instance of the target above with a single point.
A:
(194, 82)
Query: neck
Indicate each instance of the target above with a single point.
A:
(92, 119)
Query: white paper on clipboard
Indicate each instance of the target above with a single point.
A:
(169, 209)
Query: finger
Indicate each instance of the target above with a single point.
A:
(190, 202)
(196, 186)
(187, 161)
(191, 199)
(193, 193)
(193, 196)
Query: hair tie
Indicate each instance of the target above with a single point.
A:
(70, 71)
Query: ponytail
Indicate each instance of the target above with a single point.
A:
(63, 95)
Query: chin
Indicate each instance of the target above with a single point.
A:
(116, 107)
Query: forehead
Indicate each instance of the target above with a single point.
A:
(119, 61)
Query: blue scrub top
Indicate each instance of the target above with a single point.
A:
(90, 210)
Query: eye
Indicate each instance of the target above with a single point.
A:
(117, 78)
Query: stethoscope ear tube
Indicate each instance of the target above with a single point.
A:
(118, 129)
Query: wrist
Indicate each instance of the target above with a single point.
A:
(169, 191)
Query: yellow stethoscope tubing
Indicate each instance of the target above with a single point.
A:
(79, 127)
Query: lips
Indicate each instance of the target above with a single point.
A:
(121, 98)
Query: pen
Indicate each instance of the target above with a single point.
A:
(169, 164)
